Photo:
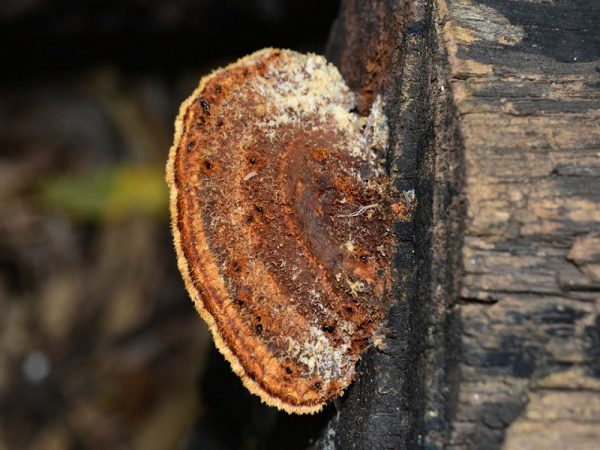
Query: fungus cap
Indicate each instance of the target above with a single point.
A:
(282, 223)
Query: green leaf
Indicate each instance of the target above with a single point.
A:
(110, 194)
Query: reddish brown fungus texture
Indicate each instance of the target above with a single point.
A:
(283, 223)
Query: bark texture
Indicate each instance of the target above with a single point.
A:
(495, 116)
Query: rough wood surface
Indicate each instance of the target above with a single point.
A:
(524, 83)
(495, 117)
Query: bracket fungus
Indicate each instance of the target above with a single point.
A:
(283, 223)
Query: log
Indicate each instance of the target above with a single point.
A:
(524, 84)
(494, 109)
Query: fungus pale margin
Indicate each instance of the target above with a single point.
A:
(282, 222)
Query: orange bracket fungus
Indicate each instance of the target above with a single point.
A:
(283, 223)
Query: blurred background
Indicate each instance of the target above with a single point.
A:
(100, 347)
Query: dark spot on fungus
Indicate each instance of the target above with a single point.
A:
(364, 258)
(218, 89)
(288, 371)
(204, 104)
(259, 209)
(259, 328)
(317, 386)
(249, 219)
(191, 145)
(328, 328)
(252, 160)
(219, 122)
(208, 165)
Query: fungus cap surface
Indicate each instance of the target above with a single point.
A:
(282, 223)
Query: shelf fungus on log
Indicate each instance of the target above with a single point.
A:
(283, 223)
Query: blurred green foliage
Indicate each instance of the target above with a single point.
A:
(108, 194)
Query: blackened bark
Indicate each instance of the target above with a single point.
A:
(494, 110)
(385, 48)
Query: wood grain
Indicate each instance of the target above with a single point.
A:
(496, 124)
(527, 107)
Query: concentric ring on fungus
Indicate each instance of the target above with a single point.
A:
(282, 223)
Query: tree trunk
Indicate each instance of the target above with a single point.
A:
(494, 109)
